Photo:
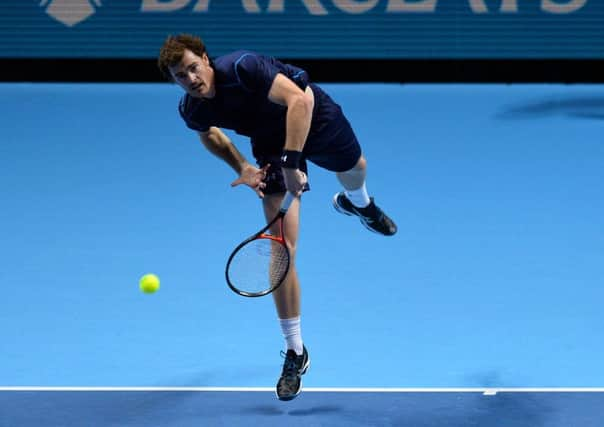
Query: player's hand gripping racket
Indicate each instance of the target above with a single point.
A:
(260, 263)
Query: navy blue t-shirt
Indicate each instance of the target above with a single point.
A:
(242, 81)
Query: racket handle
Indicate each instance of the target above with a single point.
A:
(287, 201)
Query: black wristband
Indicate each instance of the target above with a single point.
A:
(291, 159)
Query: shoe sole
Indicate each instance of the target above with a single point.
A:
(347, 213)
(292, 397)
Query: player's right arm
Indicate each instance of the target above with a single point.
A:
(221, 146)
(217, 143)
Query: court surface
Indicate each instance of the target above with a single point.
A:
(492, 284)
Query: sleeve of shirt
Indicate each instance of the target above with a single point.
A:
(184, 108)
(298, 76)
(255, 73)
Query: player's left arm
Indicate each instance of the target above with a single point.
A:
(299, 104)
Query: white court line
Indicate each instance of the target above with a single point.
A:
(490, 391)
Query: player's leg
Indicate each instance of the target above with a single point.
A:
(336, 148)
(287, 296)
(354, 179)
(287, 302)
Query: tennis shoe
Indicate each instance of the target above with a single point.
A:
(371, 216)
(294, 366)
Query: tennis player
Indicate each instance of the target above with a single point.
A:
(289, 120)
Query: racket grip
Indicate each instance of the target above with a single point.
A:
(287, 201)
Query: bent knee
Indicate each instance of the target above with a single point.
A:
(361, 164)
(359, 167)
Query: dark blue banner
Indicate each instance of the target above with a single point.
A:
(363, 29)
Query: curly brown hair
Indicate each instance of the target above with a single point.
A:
(173, 49)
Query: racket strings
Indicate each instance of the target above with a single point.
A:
(259, 265)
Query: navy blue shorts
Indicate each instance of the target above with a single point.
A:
(331, 143)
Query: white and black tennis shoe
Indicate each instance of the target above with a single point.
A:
(371, 216)
(294, 366)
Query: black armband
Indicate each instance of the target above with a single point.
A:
(291, 159)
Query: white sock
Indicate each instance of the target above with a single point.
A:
(358, 197)
(292, 334)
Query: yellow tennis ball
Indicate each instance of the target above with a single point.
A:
(149, 283)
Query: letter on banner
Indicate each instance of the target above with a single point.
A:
(510, 6)
(355, 6)
(478, 6)
(201, 6)
(415, 6)
(569, 7)
(314, 7)
(250, 6)
(163, 6)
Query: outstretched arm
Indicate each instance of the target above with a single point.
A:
(221, 146)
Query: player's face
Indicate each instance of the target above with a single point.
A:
(195, 75)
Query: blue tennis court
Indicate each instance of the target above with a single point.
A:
(492, 284)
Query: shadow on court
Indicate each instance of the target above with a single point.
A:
(271, 410)
(507, 410)
(580, 107)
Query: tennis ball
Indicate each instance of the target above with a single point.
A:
(149, 283)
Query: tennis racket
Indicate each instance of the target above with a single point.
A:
(259, 264)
